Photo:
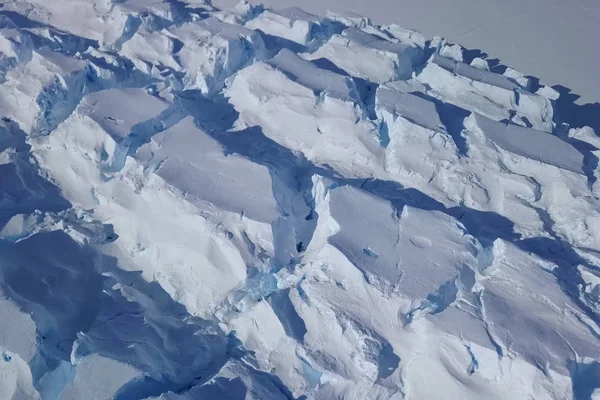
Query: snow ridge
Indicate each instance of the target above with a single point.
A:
(259, 204)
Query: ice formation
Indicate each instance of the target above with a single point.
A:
(256, 204)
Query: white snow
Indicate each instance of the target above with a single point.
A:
(548, 39)
(367, 56)
(269, 204)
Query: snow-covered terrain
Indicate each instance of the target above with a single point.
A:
(555, 40)
(260, 204)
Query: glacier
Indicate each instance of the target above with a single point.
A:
(248, 203)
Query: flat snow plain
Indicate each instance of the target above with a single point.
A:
(255, 204)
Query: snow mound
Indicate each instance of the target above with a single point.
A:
(261, 204)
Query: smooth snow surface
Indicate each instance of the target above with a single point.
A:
(258, 204)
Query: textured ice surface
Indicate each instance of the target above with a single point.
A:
(192, 161)
(259, 204)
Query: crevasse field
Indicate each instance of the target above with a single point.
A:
(255, 204)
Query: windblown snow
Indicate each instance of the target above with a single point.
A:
(254, 204)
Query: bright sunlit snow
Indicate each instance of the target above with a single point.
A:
(268, 204)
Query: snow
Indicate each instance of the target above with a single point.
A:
(395, 251)
(194, 163)
(98, 377)
(542, 38)
(530, 143)
(369, 57)
(486, 93)
(308, 74)
(252, 203)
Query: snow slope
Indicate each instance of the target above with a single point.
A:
(257, 204)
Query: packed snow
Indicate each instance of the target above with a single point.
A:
(251, 203)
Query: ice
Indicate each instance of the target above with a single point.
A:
(19, 332)
(15, 377)
(370, 57)
(391, 102)
(311, 76)
(92, 186)
(391, 234)
(533, 144)
(23, 190)
(532, 37)
(117, 111)
(269, 204)
(98, 377)
(506, 288)
(326, 129)
(473, 74)
(293, 325)
(294, 25)
(484, 92)
(89, 21)
(183, 153)
(213, 50)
